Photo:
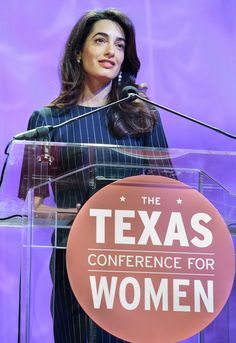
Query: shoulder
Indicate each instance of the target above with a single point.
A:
(46, 116)
(38, 117)
(47, 112)
(43, 112)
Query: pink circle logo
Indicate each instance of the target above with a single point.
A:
(146, 259)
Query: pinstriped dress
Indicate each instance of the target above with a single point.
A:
(71, 324)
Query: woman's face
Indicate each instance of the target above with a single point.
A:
(103, 52)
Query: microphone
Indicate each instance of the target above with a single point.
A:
(38, 132)
(43, 131)
(133, 93)
(129, 91)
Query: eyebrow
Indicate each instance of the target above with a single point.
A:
(106, 35)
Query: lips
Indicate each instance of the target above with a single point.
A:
(107, 63)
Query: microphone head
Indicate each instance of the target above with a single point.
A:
(129, 90)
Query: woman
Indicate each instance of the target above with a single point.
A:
(100, 59)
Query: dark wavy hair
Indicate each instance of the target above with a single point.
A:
(132, 118)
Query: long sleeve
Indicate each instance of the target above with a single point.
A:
(159, 159)
(34, 172)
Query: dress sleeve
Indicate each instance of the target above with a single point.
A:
(36, 120)
(156, 138)
(34, 171)
(160, 161)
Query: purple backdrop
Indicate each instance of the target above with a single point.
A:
(187, 51)
(188, 55)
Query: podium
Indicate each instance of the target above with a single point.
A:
(44, 186)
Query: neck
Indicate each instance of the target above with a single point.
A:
(95, 96)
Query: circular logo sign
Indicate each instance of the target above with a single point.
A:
(147, 259)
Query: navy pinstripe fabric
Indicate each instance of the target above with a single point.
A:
(71, 324)
(92, 129)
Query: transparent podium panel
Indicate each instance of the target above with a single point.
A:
(46, 184)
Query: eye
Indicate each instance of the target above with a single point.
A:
(120, 45)
(100, 40)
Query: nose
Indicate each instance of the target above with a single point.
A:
(110, 50)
